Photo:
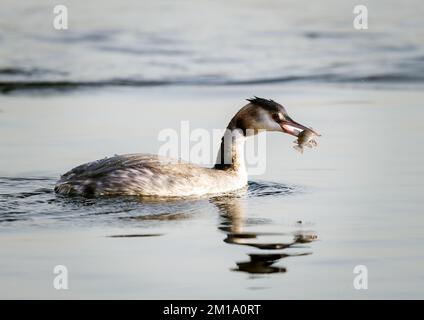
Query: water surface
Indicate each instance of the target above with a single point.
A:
(157, 43)
(125, 70)
(298, 230)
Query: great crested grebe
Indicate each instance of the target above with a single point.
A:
(155, 176)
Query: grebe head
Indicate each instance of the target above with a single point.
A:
(263, 114)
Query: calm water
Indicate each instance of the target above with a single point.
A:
(297, 231)
(145, 43)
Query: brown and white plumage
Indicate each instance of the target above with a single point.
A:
(154, 176)
(146, 175)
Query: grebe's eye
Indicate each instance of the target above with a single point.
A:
(278, 117)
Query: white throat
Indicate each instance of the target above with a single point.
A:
(231, 152)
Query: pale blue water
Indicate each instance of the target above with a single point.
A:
(128, 69)
(150, 43)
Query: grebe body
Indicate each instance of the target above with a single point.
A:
(155, 176)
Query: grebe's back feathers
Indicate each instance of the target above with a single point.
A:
(145, 174)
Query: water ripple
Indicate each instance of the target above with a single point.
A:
(32, 200)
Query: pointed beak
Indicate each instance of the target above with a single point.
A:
(293, 128)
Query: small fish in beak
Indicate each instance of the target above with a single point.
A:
(305, 139)
(289, 126)
(304, 134)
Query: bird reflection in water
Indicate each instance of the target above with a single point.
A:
(232, 223)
